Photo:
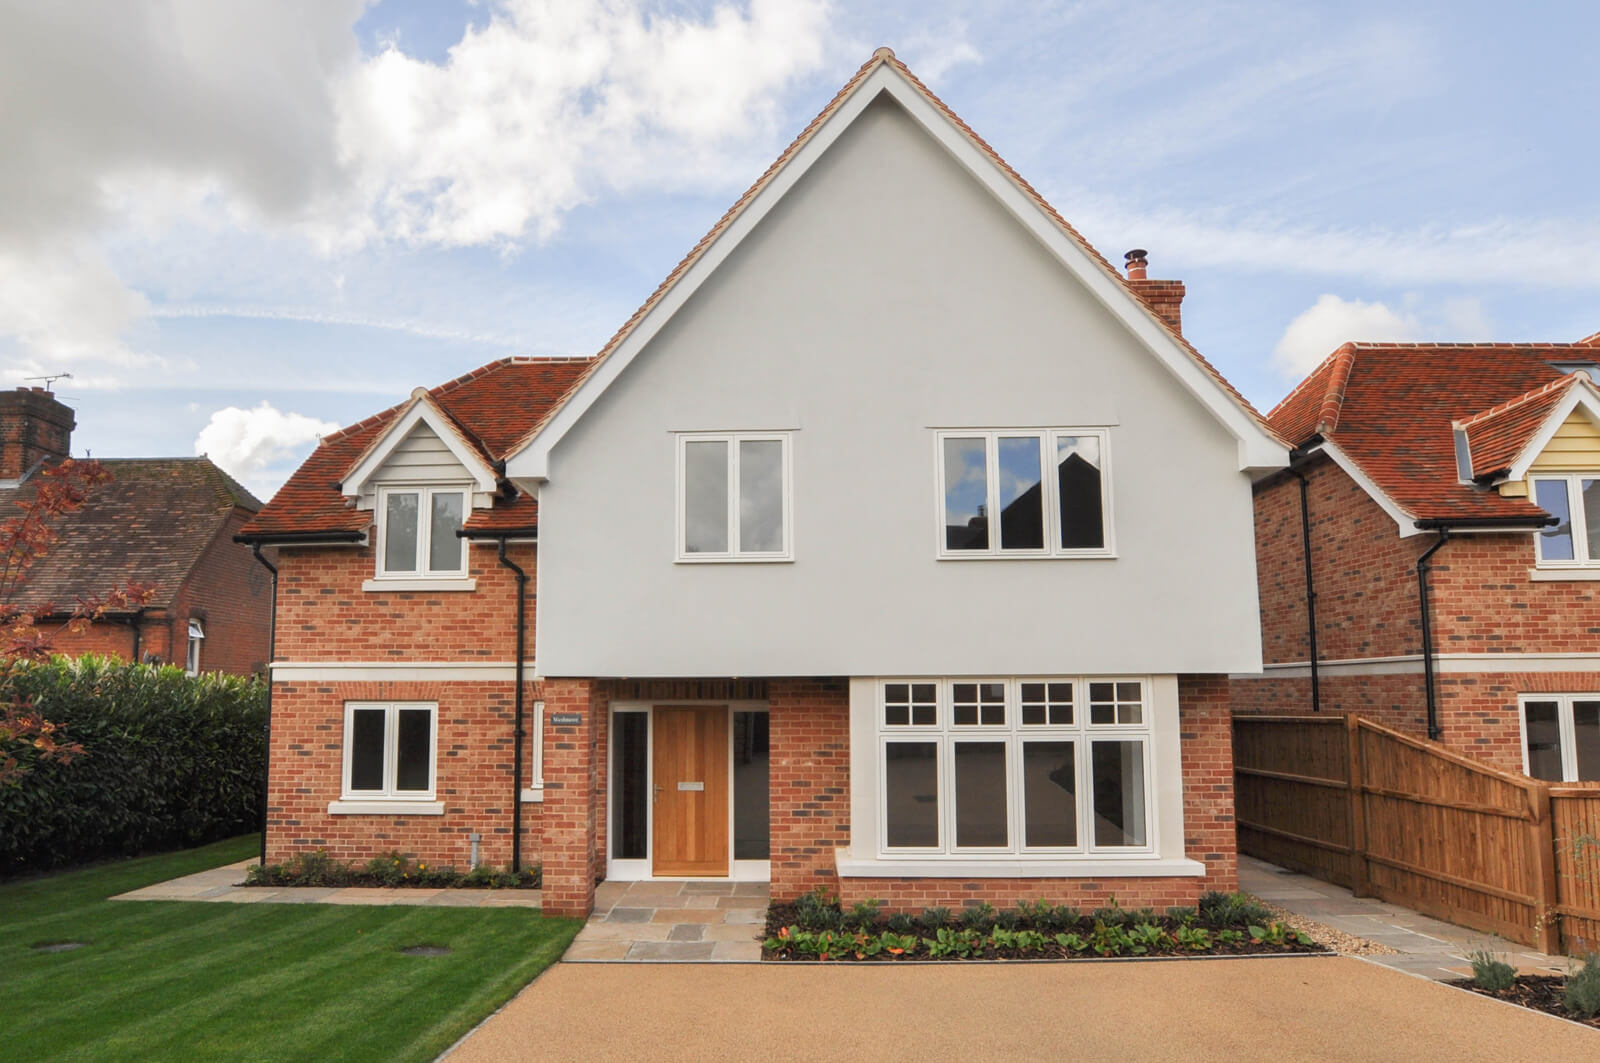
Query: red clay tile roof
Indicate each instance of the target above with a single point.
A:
(1391, 408)
(1496, 436)
(149, 525)
(883, 56)
(491, 406)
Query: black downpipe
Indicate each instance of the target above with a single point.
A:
(1423, 568)
(272, 653)
(517, 729)
(1311, 587)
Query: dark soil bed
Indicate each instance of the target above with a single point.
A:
(1541, 992)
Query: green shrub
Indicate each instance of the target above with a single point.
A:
(391, 870)
(1582, 995)
(934, 918)
(864, 916)
(902, 923)
(170, 760)
(978, 916)
(1232, 910)
(1491, 973)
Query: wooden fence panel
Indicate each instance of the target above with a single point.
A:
(1291, 793)
(1357, 804)
(1576, 816)
(1448, 836)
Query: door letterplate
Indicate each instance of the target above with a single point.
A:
(691, 786)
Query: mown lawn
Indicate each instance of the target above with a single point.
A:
(195, 981)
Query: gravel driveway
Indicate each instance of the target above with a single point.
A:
(1299, 1009)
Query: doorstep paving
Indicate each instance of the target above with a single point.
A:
(1424, 945)
(225, 884)
(673, 922)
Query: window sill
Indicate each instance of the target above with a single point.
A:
(1560, 575)
(735, 560)
(1015, 867)
(362, 807)
(532, 795)
(468, 584)
(976, 556)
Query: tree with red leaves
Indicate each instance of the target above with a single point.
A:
(26, 737)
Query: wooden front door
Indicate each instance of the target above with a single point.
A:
(691, 791)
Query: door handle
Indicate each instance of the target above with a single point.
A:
(655, 794)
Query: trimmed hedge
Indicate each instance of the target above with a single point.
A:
(170, 760)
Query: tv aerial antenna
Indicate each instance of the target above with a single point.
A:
(49, 381)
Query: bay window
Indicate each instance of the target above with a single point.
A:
(1049, 766)
(1023, 493)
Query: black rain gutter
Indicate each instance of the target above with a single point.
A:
(1311, 582)
(272, 653)
(297, 538)
(1424, 566)
(518, 731)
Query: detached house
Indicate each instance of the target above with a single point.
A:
(165, 523)
(1430, 558)
(897, 544)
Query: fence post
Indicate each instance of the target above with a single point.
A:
(1546, 891)
(1359, 873)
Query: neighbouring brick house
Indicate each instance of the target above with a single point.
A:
(820, 588)
(165, 523)
(1469, 466)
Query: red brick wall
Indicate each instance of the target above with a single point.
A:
(1484, 602)
(810, 782)
(572, 804)
(324, 615)
(1365, 573)
(1395, 701)
(231, 593)
(473, 776)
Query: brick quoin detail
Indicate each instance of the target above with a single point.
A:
(1483, 602)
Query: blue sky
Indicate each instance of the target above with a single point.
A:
(239, 224)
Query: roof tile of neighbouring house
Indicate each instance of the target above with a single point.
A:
(491, 406)
(883, 56)
(1391, 409)
(1496, 436)
(148, 525)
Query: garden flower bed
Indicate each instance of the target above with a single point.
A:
(1574, 996)
(389, 871)
(1223, 924)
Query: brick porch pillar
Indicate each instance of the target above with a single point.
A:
(810, 782)
(571, 773)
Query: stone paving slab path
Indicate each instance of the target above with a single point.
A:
(223, 884)
(1278, 1009)
(1426, 946)
(659, 921)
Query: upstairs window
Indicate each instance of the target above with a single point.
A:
(734, 497)
(417, 532)
(1024, 493)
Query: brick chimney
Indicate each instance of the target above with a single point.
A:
(1164, 297)
(34, 427)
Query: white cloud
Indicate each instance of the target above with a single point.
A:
(552, 103)
(258, 445)
(1332, 321)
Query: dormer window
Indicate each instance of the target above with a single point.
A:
(1574, 500)
(417, 532)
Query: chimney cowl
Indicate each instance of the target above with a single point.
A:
(1138, 260)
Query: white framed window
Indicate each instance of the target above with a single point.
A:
(417, 532)
(735, 495)
(1561, 736)
(197, 636)
(1024, 492)
(1046, 767)
(1574, 500)
(390, 750)
(533, 785)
